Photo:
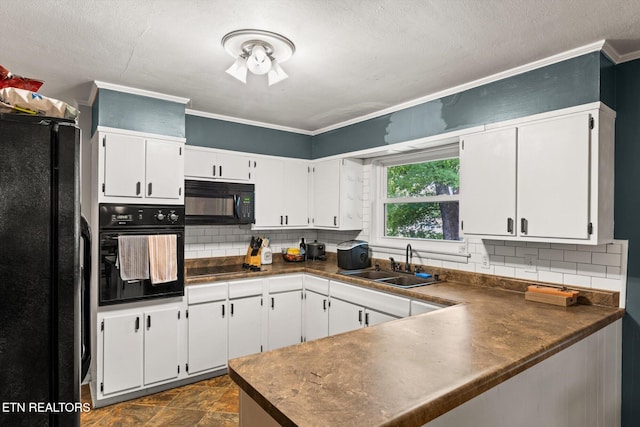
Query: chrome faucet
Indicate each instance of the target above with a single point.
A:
(408, 258)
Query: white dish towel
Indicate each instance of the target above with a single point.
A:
(163, 258)
(133, 257)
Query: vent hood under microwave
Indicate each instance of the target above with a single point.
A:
(215, 203)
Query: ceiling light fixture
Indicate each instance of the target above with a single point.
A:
(258, 51)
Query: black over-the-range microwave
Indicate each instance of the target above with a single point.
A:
(212, 202)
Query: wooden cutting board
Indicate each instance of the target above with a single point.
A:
(550, 295)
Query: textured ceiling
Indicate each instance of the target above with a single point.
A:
(353, 57)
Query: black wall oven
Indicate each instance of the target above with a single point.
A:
(137, 220)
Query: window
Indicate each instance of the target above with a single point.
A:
(416, 200)
(421, 200)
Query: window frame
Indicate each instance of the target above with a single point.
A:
(454, 250)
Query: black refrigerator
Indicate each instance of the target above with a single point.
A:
(42, 318)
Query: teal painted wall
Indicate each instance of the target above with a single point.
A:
(207, 132)
(138, 113)
(565, 84)
(627, 226)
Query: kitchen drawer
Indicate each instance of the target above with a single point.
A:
(386, 303)
(316, 284)
(207, 293)
(245, 288)
(285, 283)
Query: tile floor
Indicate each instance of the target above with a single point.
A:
(212, 402)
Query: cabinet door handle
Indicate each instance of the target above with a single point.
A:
(281, 220)
(150, 187)
(509, 225)
(148, 322)
(137, 323)
(273, 303)
(286, 219)
(366, 319)
(523, 225)
(360, 316)
(223, 310)
(138, 188)
(214, 170)
(232, 309)
(335, 220)
(220, 174)
(324, 304)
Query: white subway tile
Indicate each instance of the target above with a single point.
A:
(467, 267)
(614, 272)
(205, 239)
(196, 247)
(210, 246)
(504, 271)
(564, 267)
(190, 239)
(574, 279)
(614, 248)
(510, 261)
(489, 249)
(606, 259)
(212, 231)
(450, 265)
(190, 254)
(592, 248)
(526, 275)
(563, 246)
(494, 242)
(543, 264)
(434, 262)
(550, 276)
(523, 251)
(538, 245)
(592, 270)
(496, 259)
(551, 254)
(514, 243)
(204, 254)
(489, 269)
(607, 284)
(577, 256)
(505, 250)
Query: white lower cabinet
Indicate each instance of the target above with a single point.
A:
(284, 311)
(207, 335)
(315, 322)
(345, 316)
(137, 348)
(354, 307)
(245, 317)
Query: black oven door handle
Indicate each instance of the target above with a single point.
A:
(85, 292)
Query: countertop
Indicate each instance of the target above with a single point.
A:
(410, 371)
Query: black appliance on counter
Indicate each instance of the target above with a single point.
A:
(354, 255)
(42, 356)
(136, 220)
(212, 202)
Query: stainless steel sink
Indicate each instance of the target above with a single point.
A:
(407, 281)
(392, 278)
(370, 274)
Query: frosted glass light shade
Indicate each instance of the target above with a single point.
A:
(276, 73)
(239, 69)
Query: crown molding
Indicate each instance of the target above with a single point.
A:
(246, 122)
(134, 91)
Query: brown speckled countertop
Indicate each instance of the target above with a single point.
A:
(409, 371)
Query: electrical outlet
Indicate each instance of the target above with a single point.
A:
(530, 263)
(485, 261)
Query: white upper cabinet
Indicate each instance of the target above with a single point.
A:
(281, 193)
(136, 169)
(488, 178)
(541, 180)
(337, 194)
(208, 163)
